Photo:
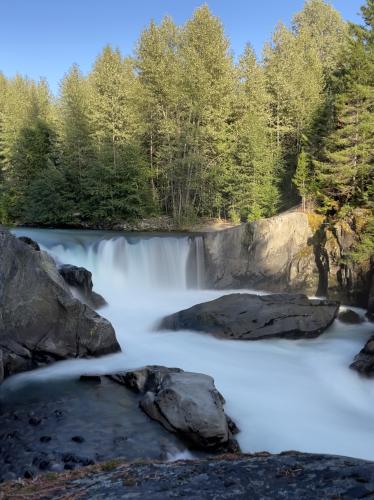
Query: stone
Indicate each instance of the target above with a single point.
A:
(80, 279)
(40, 320)
(185, 403)
(364, 360)
(33, 244)
(350, 317)
(274, 254)
(246, 316)
(290, 475)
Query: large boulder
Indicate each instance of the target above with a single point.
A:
(40, 320)
(364, 360)
(245, 316)
(185, 403)
(80, 279)
(275, 254)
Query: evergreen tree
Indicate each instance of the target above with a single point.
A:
(253, 179)
(346, 169)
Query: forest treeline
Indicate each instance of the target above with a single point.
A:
(181, 128)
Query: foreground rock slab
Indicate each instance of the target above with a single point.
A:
(364, 361)
(185, 403)
(40, 320)
(295, 476)
(81, 280)
(245, 316)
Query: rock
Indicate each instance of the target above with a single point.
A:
(371, 298)
(40, 320)
(45, 439)
(275, 254)
(246, 316)
(291, 252)
(185, 403)
(350, 317)
(33, 244)
(94, 379)
(364, 360)
(81, 280)
(291, 476)
(77, 439)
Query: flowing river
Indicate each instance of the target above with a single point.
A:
(283, 394)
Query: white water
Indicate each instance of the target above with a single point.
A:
(283, 395)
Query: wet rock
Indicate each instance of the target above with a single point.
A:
(77, 439)
(33, 244)
(364, 361)
(35, 421)
(95, 379)
(45, 439)
(81, 279)
(40, 320)
(28, 474)
(185, 403)
(246, 316)
(350, 317)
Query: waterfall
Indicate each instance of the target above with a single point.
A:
(283, 394)
(129, 261)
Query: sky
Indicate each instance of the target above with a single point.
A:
(42, 38)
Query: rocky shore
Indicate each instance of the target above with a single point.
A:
(290, 475)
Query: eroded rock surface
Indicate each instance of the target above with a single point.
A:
(292, 476)
(245, 316)
(185, 403)
(40, 320)
(364, 361)
(81, 280)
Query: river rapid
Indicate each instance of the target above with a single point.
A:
(283, 394)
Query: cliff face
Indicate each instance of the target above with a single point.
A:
(287, 253)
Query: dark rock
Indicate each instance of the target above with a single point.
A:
(28, 474)
(183, 402)
(292, 476)
(40, 320)
(371, 297)
(95, 379)
(254, 317)
(350, 317)
(77, 439)
(33, 244)
(81, 279)
(364, 361)
(35, 421)
(45, 439)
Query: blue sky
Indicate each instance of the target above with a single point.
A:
(44, 37)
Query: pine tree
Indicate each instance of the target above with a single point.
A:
(252, 181)
(301, 179)
(346, 170)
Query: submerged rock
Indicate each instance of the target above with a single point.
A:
(40, 320)
(81, 279)
(350, 317)
(245, 316)
(364, 360)
(185, 403)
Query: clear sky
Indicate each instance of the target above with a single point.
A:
(44, 37)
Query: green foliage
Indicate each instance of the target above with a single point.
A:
(182, 129)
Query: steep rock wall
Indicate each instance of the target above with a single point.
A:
(289, 252)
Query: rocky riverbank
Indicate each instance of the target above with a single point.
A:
(291, 252)
(291, 475)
